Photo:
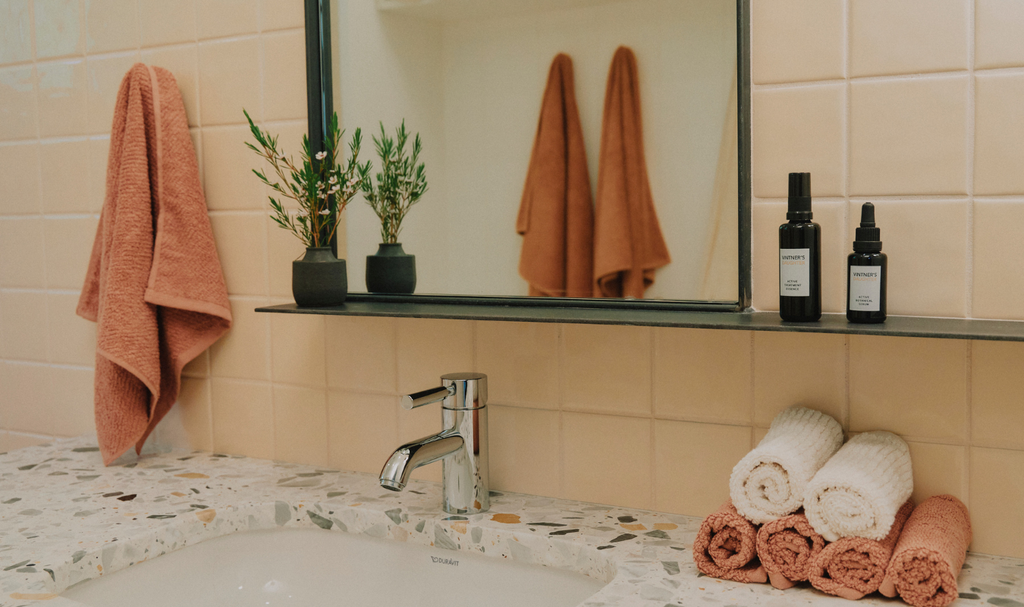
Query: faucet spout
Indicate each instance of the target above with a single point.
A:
(410, 456)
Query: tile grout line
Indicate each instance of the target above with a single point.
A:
(651, 355)
(972, 120)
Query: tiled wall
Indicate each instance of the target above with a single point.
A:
(913, 104)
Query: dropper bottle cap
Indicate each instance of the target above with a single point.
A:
(868, 236)
(799, 196)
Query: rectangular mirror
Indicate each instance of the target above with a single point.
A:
(469, 77)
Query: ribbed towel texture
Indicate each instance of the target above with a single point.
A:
(786, 547)
(769, 482)
(854, 566)
(858, 492)
(930, 553)
(725, 547)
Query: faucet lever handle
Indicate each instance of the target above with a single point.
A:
(426, 397)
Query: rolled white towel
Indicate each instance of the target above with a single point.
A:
(769, 482)
(859, 490)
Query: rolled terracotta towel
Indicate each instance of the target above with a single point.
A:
(859, 490)
(725, 547)
(854, 566)
(929, 554)
(786, 547)
(769, 482)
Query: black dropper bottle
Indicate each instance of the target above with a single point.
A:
(800, 256)
(866, 272)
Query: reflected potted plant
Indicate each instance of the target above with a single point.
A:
(399, 185)
(320, 189)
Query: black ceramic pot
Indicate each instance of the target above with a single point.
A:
(319, 279)
(391, 270)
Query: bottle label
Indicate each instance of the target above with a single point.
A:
(795, 272)
(865, 288)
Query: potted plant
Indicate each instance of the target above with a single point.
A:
(400, 184)
(321, 189)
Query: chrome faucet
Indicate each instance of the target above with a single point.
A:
(461, 445)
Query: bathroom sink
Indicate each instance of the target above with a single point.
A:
(310, 567)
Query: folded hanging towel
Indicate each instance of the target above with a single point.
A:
(858, 492)
(725, 547)
(769, 482)
(786, 547)
(556, 215)
(853, 567)
(154, 284)
(628, 245)
(929, 554)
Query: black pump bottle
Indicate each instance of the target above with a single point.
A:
(866, 272)
(800, 256)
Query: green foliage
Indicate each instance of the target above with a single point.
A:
(320, 186)
(400, 183)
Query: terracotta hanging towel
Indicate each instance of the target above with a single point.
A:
(628, 245)
(154, 284)
(556, 216)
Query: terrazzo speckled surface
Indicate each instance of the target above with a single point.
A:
(64, 518)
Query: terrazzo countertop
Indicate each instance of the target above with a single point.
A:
(64, 518)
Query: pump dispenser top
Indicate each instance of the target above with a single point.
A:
(799, 196)
(868, 236)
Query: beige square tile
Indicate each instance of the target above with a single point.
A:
(19, 172)
(297, 349)
(284, 75)
(428, 349)
(907, 136)
(10, 441)
(243, 418)
(606, 369)
(244, 352)
(68, 243)
(228, 166)
(914, 387)
(242, 248)
(692, 464)
(111, 25)
(70, 392)
(799, 129)
(229, 80)
(521, 362)
(997, 492)
(416, 424)
(702, 375)
(22, 325)
(183, 62)
(188, 425)
(998, 269)
(105, 76)
(283, 248)
(927, 271)
(996, 388)
(607, 459)
(300, 425)
(15, 31)
(799, 369)
(219, 18)
(758, 436)
(96, 156)
(998, 132)
(281, 14)
(524, 450)
(997, 27)
(797, 40)
(63, 95)
(58, 28)
(362, 355)
(72, 338)
(18, 103)
(62, 191)
(22, 252)
(766, 217)
(938, 469)
(363, 430)
(26, 406)
(908, 36)
(165, 22)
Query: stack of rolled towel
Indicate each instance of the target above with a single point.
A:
(805, 507)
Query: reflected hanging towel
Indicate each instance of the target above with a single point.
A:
(556, 215)
(154, 284)
(628, 245)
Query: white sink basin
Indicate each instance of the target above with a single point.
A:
(310, 567)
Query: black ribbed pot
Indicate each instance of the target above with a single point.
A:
(391, 270)
(319, 279)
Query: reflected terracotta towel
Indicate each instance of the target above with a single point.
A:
(929, 554)
(725, 547)
(855, 566)
(556, 215)
(786, 547)
(154, 284)
(628, 245)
